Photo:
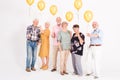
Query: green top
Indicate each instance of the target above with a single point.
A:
(65, 40)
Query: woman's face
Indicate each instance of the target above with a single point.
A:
(76, 30)
(64, 26)
(47, 25)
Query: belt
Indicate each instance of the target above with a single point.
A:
(33, 40)
(95, 45)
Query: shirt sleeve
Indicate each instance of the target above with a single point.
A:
(83, 37)
(28, 32)
(100, 34)
(53, 30)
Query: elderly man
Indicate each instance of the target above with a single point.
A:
(55, 31)
(33, 38)
(95, 49)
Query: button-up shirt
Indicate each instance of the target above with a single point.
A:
(34, 33)
(65, 40)
(96, 40)
(55, 31)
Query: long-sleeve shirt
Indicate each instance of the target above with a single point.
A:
(33, 32)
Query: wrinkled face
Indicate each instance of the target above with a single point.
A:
(64, 25)
(94, 25)
(35, 22)
(47, 25)
(58, 20)
(76, 30)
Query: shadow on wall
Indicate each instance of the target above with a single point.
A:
(19, 46)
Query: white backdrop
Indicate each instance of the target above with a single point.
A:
(14, 18)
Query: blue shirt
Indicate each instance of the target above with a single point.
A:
(97, 40)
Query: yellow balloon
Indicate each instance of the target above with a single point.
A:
(30, 2)
(41, 5)
(69, 16)
(88, 15)
(53, 9)
(78, 4)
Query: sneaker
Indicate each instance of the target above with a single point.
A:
(28, 70)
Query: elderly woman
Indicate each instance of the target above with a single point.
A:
(44, 48)
(64, 41)
(77, 43)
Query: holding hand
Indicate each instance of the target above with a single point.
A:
(53, 35)
(88, 34)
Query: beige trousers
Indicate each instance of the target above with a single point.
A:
(55, 54)
(63, 60)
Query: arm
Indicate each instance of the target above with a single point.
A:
(59, 45)
(53, 33)
(71, 34)
(98, 34)
(28, 34)
(92, 35)
(59, 41)
(81, 39)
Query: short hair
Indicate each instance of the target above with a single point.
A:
(64, 22)
(76, 26)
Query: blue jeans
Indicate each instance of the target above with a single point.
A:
(31, 53)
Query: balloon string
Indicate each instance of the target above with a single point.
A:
(78, 16)
(29, 11)
(88, 27)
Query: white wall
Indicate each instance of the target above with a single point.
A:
(14, 18)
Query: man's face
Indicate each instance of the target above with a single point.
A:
(94, 25)
(58, 20)
(35, 22)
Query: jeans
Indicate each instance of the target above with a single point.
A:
(31, 53)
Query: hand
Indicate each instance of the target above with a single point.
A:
(53, 35)
(40, 27)
(42, 31)
(77, 34)
(28, 35)
(39, 43)
(88, 34)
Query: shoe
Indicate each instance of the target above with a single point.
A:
(42, 66)
(33, 69)
(89, 74)
(61, 73)
(28, 70)
(53, 70)
(45, 67)
(65, 72)
(95, 77)
(74, 73)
